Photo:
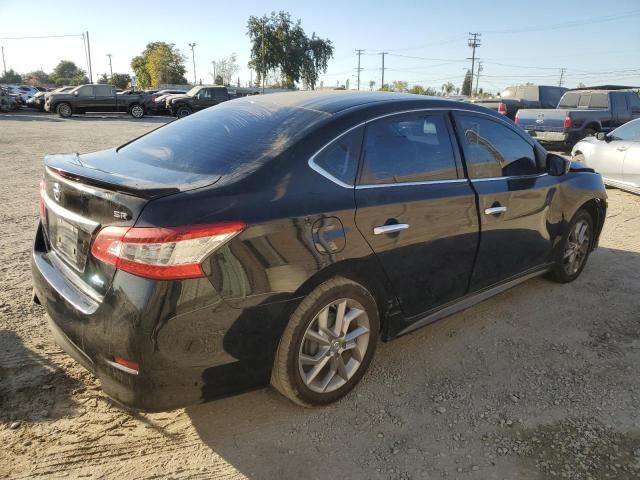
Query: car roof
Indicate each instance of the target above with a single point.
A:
(336, 101)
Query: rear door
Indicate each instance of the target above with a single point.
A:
(105, 98)
(416, 210)
(514, 198)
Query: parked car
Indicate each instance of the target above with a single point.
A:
(7, 101)
(615, 155)
(95, 98)
(581, 113)
(225, 251)
(22, 93)
(198, 98)
(157, 101)
(38, 100)
(514, 98)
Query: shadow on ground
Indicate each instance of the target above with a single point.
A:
(473, 360)
(32, 389)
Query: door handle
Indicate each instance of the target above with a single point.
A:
(495, 210)
(394, 227)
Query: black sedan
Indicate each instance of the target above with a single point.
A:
(275, 239)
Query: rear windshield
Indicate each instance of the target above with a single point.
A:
(584, 100)
(237, 135)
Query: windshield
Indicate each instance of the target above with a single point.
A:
(228, 139)
(193, 91)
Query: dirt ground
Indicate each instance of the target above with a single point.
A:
(539, 382)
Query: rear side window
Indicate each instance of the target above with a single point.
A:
(340, 158)
(219, 93)
(411, 148)
(599, 100)
(231, 138)
(494, 150)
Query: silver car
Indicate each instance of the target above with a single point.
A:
(615, 155)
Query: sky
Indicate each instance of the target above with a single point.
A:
(521, 41)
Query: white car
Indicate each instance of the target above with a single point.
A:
(615, 155)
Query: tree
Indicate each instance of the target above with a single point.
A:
(466, 84)
(581, 85)
(447, 88)
(120, 80)
(226, 68)
(67, 73)
(160, 62)
(280, 44)
(10, 77)
(372, 83)
(399, 86)
(103, 79)
(417, 89)
(39, 76)
(219, 80)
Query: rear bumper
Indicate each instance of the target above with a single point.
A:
(191, 346)
(566, 137)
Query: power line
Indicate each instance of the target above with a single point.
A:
(575, 23)
(42, 36)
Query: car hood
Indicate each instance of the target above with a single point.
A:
(60, 95)
(177, 96)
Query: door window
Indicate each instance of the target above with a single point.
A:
(86, 91)
(629, 132)
(494, 150)
(619, 103)
(340, 158)
(219, 93)
(103, 90)
(600, 100)
(204, 94)
(411, 148)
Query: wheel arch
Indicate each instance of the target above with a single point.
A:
(362, 272)
(596, 207)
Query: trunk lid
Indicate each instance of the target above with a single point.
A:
(82, 194)
(542, 120)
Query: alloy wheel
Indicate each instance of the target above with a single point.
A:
(577, 247)
(334, 346)
(137, 111)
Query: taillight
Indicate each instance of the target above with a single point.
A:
(502, 108)
(517, 118)
(43, 211)
(567, 122)
(162, 253)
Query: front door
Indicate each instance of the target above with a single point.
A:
(416, 210)
(105, 98)
(513, 198)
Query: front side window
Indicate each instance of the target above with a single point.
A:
(494, 150)
(629, 132)
(408, 148)
(86, 91)
(205, 94)
(340, 158)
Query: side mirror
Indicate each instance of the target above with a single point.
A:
(557, 165)
(602, 136)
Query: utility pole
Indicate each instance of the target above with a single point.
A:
(213, 63)
(478, 76)
(89, 54)
(110, 67)
(473, 42)
(193, 59)
(4, 65)
(562, 72)
(264, 73)
(359, 52)
(382, 84)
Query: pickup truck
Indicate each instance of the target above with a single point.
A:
(198, 98)
(580, 113)
(514, 98)
(95, 98)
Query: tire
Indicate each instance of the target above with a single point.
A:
(303, 366)
(136, 110)
(183, 111)
(64, 110)
(574, 248)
